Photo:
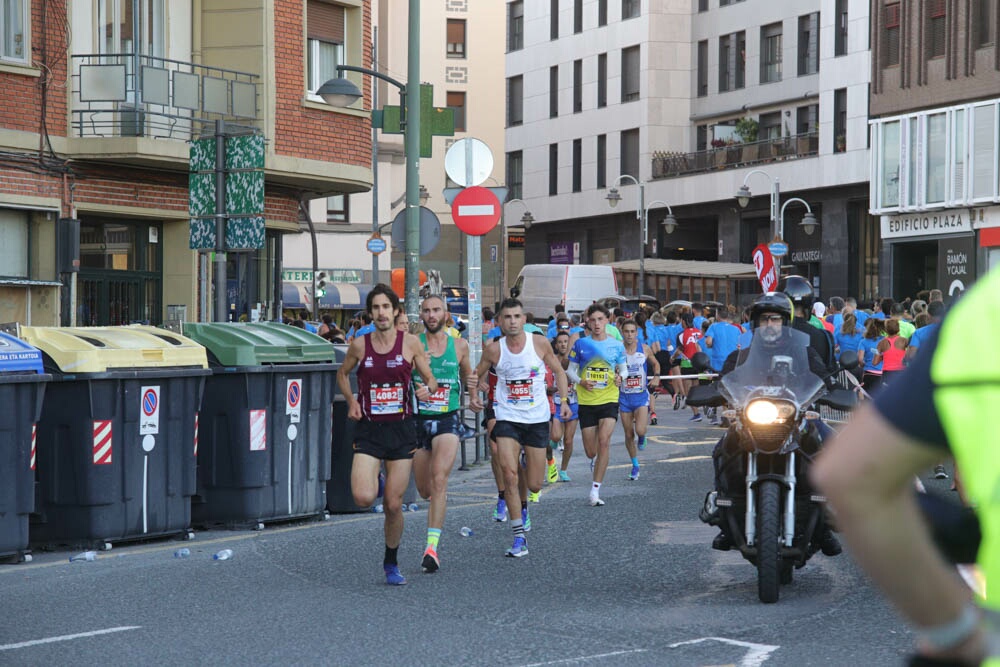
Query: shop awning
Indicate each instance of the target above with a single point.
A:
(338, 295)
(686, 267)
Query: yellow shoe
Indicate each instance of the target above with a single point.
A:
(533, 497)
(553, 472)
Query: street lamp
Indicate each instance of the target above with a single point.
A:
(669, 222)
(743, 195)
(342, 92)
(527, 220)
(809, 222)
(613, 198)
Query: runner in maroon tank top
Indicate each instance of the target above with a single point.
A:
(386, 430)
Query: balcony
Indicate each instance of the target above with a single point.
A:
(168, 99)
(734, 156)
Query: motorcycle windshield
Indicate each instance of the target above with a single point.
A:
(779, 370)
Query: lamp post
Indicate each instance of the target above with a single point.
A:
(343, 92)
(613, 198)
(527, 220)
(809, 222)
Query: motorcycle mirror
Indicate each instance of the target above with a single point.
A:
(701, 362)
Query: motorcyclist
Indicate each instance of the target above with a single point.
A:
(772, 317)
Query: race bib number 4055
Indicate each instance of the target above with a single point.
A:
(519, 392)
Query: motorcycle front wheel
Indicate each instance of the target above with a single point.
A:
(768, 541)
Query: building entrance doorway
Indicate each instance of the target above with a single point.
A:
(119, 280)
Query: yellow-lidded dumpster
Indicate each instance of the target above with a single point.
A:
(22, 386)
(118, 435)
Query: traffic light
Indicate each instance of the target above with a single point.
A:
(320, 284)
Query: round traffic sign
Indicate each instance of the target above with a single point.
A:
(778, 248)
(149, 401)
(430, 230)
(294, 394)
(475, 210)
(376, 245)
(468, 162)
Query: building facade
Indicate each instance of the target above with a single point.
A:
(935, 127)
(461, 47)
(95, 149)
(694, 99)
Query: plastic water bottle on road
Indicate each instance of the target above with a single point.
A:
(182, 553)
(85, 556)
(225, 554)
(414, 507)
(466, 531)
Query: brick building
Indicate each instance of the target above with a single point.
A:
(97, 129)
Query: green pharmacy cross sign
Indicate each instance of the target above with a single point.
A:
(434, 121)
(244, 193)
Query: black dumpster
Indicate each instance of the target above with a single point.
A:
(266, 420)
(22, 387)
(117, 438)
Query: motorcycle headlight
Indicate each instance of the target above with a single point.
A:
(764, 412)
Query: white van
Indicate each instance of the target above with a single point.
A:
(539, 287)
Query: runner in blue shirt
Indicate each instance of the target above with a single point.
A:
(721, 339)
(848, 337)
(936, 310)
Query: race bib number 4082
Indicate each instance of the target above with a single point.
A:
(387, 399)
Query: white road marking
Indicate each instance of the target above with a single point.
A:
(684, 458)
(473, 209)
(586, 657)
(755, 656)
(66, 638)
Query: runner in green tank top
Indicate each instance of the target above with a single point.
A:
(440, 424)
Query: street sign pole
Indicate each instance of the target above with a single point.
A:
(473, 248)
(221, 290)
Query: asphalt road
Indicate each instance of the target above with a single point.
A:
(632, 583)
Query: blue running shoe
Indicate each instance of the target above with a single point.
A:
(642, 443)
(526, 520)
(520, 548)
(634, 475)
(563, 476)
(500, 513)
(393, 577)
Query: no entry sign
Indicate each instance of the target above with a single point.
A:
(475, 210)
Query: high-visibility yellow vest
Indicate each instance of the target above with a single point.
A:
(966, 375)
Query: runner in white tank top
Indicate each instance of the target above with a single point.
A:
(520, 394)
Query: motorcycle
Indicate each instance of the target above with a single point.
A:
(772, 516)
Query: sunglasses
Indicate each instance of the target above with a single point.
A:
(771, 318)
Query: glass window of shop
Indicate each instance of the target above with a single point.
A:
(120, 272)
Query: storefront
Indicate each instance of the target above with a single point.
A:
(930, 250)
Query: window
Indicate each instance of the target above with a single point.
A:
(770, 53)
(553, 19)
(553, 91)
(602, 161)
(515, 101)
(890, 50)
(702, 5)
(326, 37)
(114, 25)
(935, 28)
(630, 9)
(701, 140)
(456, 38)
(984, 22)
(630, 74)
(13, 243)
(741, 59)
(984, 165)
(602, 80)
(577, 165)
(840, 120)
(726, 58)
(553, 169)
(14, 30)
(769, 126)
(840, 29)
(889, 177)
(703, 68)
(630, 153)
(456, 101)
(806, 119)
(577, 86)
(937, 157)
(338, 208)
(515, 174)
(515, 25)
(809, 44)
(577, 16)
(602, 12)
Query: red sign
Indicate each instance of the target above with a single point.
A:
(475, 210)
(763, 264)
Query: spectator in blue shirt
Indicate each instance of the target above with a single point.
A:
(935, 311)
(721, 338)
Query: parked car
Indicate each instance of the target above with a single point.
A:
(630, 304)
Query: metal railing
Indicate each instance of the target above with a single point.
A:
(732, 156)
(129, 95)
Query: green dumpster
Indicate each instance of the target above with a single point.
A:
(266, 423)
